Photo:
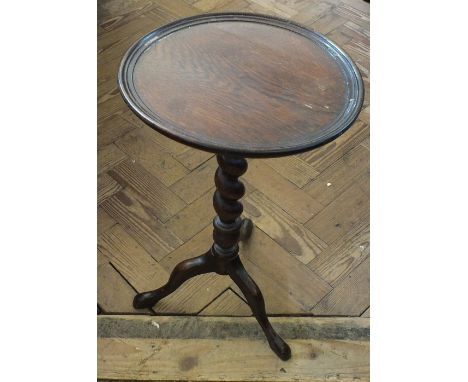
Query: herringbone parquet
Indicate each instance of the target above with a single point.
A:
(309, 252)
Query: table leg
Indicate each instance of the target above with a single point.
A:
(246, 229)
(229, 228)
(223, 257)
(256, 302)
(181, 273)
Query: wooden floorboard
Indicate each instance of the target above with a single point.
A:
(230, 349)
(310, 249)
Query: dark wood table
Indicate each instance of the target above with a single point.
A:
(240, 86)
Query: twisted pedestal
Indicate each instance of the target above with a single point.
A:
(223, 256)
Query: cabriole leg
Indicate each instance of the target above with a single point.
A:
(181, 273)
(256, 302)
(229, 228)
(223, 257)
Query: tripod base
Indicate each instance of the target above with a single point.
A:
(233, 267)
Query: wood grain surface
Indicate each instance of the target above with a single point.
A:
(230, 349)
(310, 247)
(252, 85)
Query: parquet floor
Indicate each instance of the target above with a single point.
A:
(309, 252)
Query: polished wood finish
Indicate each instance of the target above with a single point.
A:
(282, 194)
(245, 84)
(166, 181)
(223, 256)
(238, 84)
(229, 189)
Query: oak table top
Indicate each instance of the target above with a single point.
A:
(242, 84)
(239, 85)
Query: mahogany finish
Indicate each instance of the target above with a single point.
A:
(223, 257)
(244, 84)
(239, 85)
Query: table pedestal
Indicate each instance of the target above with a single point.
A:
(223, 256)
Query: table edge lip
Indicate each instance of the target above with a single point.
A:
(247, 152)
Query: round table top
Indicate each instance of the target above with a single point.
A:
(245, 84)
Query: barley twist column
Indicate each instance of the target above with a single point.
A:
(227, 224)
(229, 228)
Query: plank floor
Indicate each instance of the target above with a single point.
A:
(230, 349)
(309, 252)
